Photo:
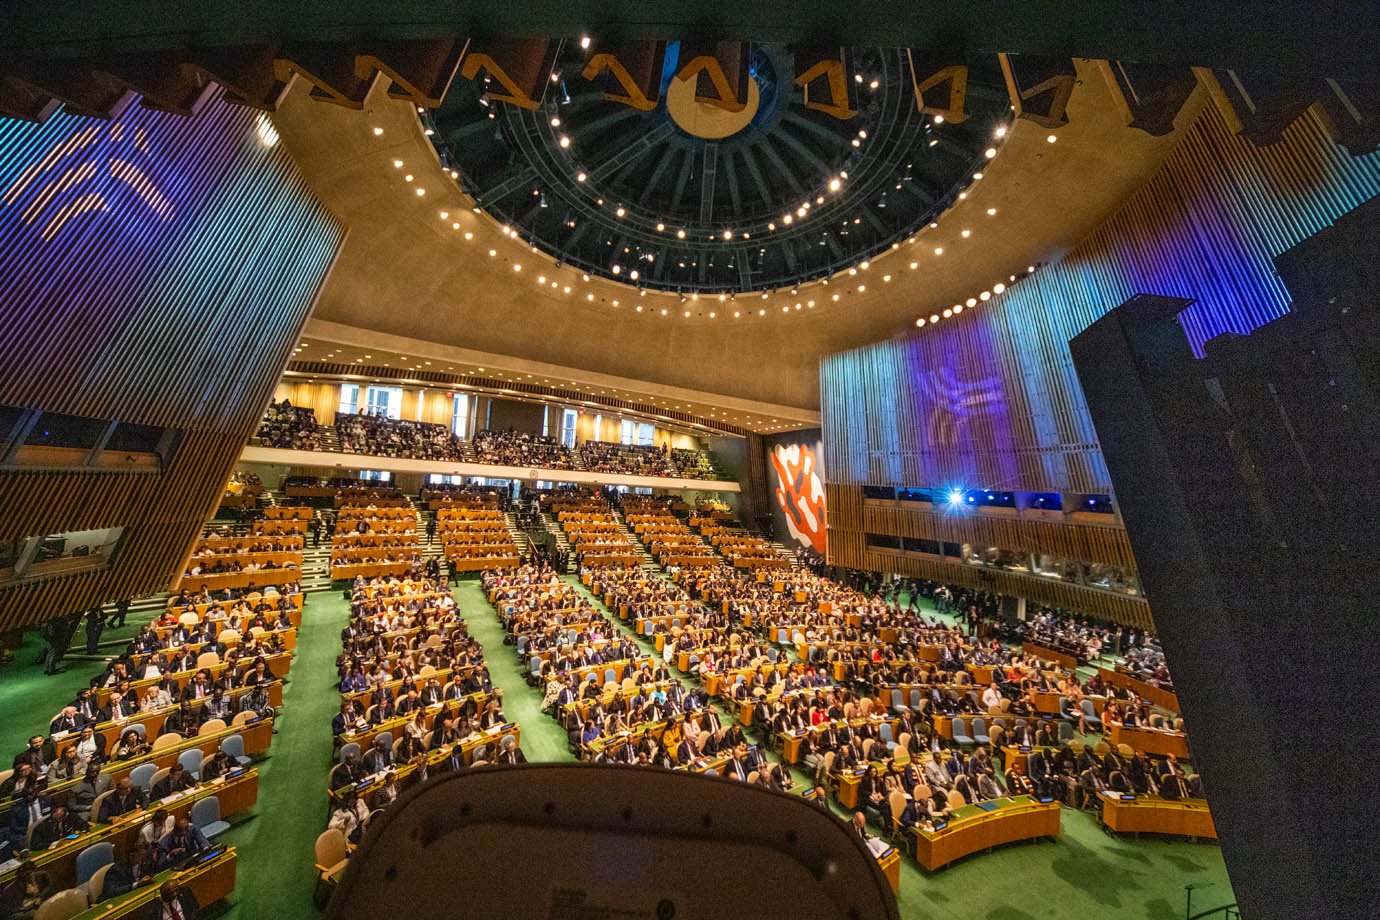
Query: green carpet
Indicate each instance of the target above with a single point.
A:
(277, 846)
(1085, 873)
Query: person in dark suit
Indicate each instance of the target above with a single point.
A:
(69, 720)
(26, 812)
(60, 823)
(175, 902)
(185, 840)
(125, 798)
(177, 780)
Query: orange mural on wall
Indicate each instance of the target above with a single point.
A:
(800, 493)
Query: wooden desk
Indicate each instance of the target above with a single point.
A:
(1154, 815)
(971, 828)
(1063, 659)
(890, 864)
(1150, 740)
(236, 794)
(1165, 699)
(367, 786)
(209, 882)
(222, 580)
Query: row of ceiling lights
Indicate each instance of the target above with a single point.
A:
(834, 185)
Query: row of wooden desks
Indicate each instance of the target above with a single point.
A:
(1153, 815)
(1158, 741)
(153, 720)
(256, 735)
(210, 878)
(236, 793)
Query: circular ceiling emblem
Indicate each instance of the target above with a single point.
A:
(703, 119)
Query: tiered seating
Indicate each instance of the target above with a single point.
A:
(289, 426)
(391, 546)
(476, 538)
(597, 540)
(456, 495)
(518, 448)
(380, 436)
(265, 558)
(744, 550)
(637, 460)
(664, 534)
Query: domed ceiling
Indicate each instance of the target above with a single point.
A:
(696, 193)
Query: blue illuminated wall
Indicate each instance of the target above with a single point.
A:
(989, 398)
(157, 270)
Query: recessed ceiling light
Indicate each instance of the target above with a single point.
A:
(377, 130)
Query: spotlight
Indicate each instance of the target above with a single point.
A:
(584, 42)
(378, 131)
(955, 496)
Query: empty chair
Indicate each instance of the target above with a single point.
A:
(980, 731)
(522, 645)
(901, 754)
(867, 746)
(886, 737)
(386, 737)
(166, 740)
(896, 804)
(897, 703)
(331, 853)
(207, 660)
(955, 799)
(773, 653)
(960, 731)
(92, 858)
(142, 775)
(1066, 732)
(244, 717)
(206, 816)
(210, 726)
(66, 903)
(234, 746)
(610, 676)
(1090, 714)
(191, 761)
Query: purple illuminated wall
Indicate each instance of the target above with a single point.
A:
(989, 398)
(155, 270)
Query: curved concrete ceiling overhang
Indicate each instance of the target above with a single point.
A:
(419, 263)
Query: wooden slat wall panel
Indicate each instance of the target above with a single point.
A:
(177, 305)
(989, 399)
(848, 547)
(1087, 542)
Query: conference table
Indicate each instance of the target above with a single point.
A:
(984, 825)
(1165, 699)
(1153, 815)
(1061, 658)
(1158, 741)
